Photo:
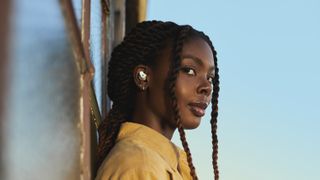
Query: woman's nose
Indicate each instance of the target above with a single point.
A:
(205, 87)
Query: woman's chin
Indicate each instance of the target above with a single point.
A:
(191, 124)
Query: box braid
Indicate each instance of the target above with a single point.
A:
(188, 32)
(174, 70)
(142, 46)
(214, 106)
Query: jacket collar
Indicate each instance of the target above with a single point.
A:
(153, 140)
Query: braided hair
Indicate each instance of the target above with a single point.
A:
(143, 45)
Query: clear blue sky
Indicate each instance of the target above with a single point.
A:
(269, 60)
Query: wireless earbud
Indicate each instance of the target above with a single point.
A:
(142, 76)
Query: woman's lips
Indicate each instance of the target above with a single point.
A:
(198, 109)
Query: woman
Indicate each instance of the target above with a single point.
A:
(161, 78)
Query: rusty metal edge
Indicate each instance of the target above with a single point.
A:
(104, 13)
(106, 6)
(85, 32)
(86, 120)
(5, 12)
(84, 64)
(95, 112)
(95, 122)
(86, 70)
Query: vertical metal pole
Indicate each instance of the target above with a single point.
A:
(105, 56)
(87, 77)
(81, 46)
(4, 29)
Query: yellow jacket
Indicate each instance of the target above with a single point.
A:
(141, 153)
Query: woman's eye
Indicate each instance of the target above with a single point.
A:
(189, 71)
(210, 79)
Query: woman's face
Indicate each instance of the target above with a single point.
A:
(193, 85)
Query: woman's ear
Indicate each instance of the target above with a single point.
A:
(141, 75)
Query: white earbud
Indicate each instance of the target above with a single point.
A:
(142, 76)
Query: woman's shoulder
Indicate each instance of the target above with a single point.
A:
(131, 158)
(132, 151)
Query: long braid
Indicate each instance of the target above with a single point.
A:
(214, 100)
(171, 83)
(214, 106)
(108, 130)
(140, 46)
(213, 122)
(214, 115)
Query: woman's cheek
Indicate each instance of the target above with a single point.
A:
(186, 85)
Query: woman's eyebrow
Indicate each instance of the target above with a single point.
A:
(196, 60)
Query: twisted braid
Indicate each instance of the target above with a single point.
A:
(175, 65)
(108, 131)
(189, 32)
(213, 122)
(214, 106)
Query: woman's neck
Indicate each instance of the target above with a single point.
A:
(144, 116)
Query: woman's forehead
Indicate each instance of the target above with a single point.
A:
(199, 50)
